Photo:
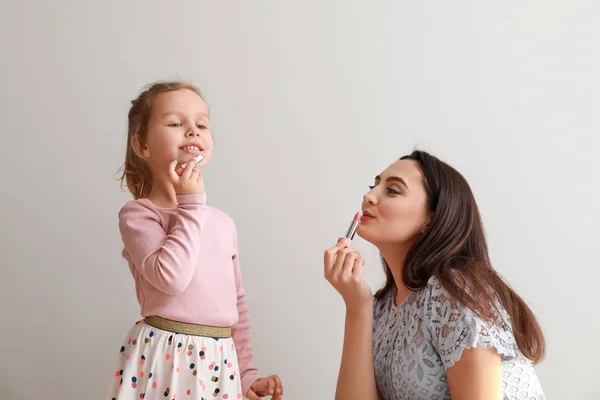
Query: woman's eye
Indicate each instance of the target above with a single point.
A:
(390, 190)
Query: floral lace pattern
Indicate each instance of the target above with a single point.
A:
(416, 342)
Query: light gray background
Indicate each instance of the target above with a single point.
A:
(309, 100)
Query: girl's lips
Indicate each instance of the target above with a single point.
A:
(192, 148)
(192, 151)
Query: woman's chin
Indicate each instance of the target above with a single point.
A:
(364, 235)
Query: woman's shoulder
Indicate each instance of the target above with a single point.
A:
(438, 308)
(432, 294)
(456, 326)
(437, 295)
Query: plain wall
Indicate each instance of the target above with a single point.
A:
(309, 101)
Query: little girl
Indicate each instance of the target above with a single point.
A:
(194, 340)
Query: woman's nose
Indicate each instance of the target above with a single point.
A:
(370, 197)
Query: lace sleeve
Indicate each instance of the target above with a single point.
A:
(454, 327)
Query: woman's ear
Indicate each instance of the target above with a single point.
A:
(426, 225)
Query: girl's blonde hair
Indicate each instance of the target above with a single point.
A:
(136, 175)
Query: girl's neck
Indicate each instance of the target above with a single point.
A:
(162, 194)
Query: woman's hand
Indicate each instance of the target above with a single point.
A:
(343, 269)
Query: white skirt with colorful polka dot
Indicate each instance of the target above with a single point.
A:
(157, 364)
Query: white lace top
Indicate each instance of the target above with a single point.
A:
(416, 342)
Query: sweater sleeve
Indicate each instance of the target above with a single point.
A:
(241, 330)
(455, 327)
(167, 260)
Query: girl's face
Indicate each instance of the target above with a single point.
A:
(178, 129)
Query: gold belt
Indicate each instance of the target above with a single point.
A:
(188, 329)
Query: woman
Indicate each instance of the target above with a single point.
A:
(445, 325)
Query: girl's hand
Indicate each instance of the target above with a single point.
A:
(269, 386)
(343, 269)
(189, 180)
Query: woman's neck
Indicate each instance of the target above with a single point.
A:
(394, 256)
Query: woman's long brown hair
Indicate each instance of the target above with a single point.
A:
(454, 249)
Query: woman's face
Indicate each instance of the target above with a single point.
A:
(395, 209)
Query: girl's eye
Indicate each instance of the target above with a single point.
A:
(371, 187)
(201, 126)
(175, 125)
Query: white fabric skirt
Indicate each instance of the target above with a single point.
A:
(157, 364)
